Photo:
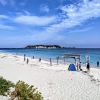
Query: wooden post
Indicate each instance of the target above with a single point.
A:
(33, 57)
(27, 61)
(39, 59)
(57, 60)
(50, 62)
(79, 60)
(75, 61)
(24, 57)
(64, 60)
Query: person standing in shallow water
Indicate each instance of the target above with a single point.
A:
(97, 63)
(80, 66)
(88, 67)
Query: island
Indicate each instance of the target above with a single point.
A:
(43, 46)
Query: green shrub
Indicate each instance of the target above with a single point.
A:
(23, 91)
(5, 85)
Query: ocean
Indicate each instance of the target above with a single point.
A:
(46, 54)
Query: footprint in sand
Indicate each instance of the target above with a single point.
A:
(98, 80)
(94, 80)
(3, 56)
(91, 76)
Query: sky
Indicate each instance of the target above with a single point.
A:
(69, 23)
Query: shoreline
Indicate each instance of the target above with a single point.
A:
(36, 61)
(55, 82)
(47, 56)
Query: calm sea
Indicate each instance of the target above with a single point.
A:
(94, 54)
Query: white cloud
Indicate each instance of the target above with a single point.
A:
(26, 12)
(5, 2)
(73, 16)
(6, 27)
(44, 8)
(22, 13)
(34, 20)
(80, 30)
(3, 17)
(76, 15)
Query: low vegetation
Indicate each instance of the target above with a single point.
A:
(5, 86)
(21, 90)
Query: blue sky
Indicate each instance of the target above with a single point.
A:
(64, 22)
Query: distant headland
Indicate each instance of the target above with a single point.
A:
(43, 46)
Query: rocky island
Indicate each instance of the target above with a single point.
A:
(43, 46)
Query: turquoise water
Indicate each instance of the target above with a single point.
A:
(53, 53)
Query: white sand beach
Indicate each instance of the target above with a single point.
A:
(54, 82)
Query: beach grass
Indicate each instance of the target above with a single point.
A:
(21, 90)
